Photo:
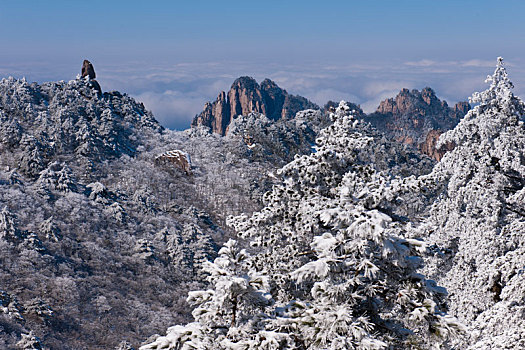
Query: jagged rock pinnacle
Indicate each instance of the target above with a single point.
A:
(417, 118)
(88, 70)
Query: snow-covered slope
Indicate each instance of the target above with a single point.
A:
(88, 220)
(334, 254)
(99, 240)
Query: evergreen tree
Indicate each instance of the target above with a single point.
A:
(479, 221)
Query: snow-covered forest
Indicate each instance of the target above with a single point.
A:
(346, 254)
(314, 232)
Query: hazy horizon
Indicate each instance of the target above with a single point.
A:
(176, 56)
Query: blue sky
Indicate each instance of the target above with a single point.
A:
(175, 55)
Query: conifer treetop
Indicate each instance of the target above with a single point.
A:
(500, 86)
(491, 126)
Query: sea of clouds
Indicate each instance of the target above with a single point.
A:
(177, 92)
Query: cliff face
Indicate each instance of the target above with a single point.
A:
(428, 147)
(246, 96)
(417, 118)
(215, 115)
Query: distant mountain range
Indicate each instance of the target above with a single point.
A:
(416, 118)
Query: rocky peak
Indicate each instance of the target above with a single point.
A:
(275, 98)
(461, 108)
(247, 96)
(268, 84)
(245, 82)
(89, 71)
(411, 102)
(215, 115)
(428, 95)
(417, 118)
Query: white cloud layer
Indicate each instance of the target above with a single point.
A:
(177, 92)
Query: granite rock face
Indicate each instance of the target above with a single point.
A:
(215, 115)
(179, 159)
(461, 108)
(417, 118)
(247, 96)
(428, 147)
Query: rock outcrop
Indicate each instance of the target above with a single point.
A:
(179, 159)
(428, 147)
(246, 96)
(413, 117)
(89, 71)
(417, 118)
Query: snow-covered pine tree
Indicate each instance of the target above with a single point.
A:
(479, 222)
(225, 316)
(340, 271)
(8, 228)
(29, 342)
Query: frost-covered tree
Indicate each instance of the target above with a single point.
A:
(237, 293)
(478, 224)
(341, 272)
(8, 228)
(277, 139)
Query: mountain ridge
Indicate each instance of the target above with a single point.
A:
(99, 202)
(113, 215)
(417, 118)
(412, 117)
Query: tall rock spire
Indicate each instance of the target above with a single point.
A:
(89, 71)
